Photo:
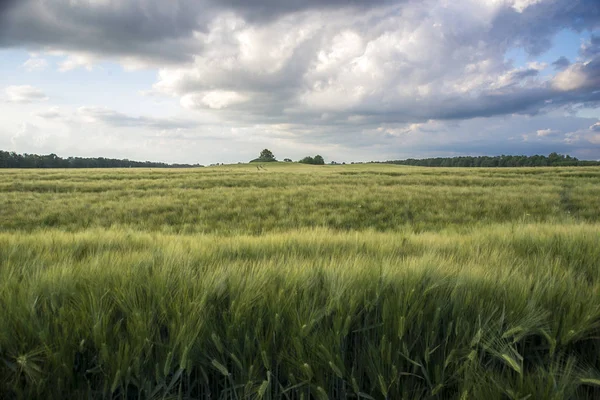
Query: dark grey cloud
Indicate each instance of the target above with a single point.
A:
(577, 85)
(592, 71)
(5, 5)
(591, 48)
(490, 104)
(525, 102)
(150, 30)
(561, 63)
(262, 10)
(534, 27)
(505, 135)
(526, 73)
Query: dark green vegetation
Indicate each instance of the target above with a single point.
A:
(15, 160)
(265, 156)
(316, 160)
(300, 282)
(552, 160)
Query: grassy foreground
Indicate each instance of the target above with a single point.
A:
(363, 281)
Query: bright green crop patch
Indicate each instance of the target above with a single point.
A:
(300, 282)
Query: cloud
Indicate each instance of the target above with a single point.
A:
(561, 63)
(498, 135)
(595, 139)
(547, 132)
(51, 113)
(116, 119)
(595, 127)
(35, 63)
(217, 100)
(579, 76)
(404, 63)
(591, 48)
(265, 10)
(29, 135)
(333, 71)
(6, 5)
(137, 31)
(150, 30)
(522, 5)
(154, 31)
(24, 94)
(77, 60)
(88, 133)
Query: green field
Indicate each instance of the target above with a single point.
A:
(300, 282)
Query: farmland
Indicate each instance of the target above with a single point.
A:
(299, 282)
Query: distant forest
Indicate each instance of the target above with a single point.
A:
(14, 160)
(552, 160)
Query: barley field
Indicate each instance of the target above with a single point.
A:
(293, 281)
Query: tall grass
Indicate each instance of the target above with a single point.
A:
(474, 304)
(234, 200)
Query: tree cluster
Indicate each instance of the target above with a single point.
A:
(552, 160)
(15, 160)
(316, 160)
(265, 156)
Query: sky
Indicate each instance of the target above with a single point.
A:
(217, 81)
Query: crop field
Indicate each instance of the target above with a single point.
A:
(293, 281)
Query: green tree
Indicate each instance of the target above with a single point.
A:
(267, 155)
(316, 160)
(307, 160)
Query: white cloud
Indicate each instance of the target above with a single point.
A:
(547, 132)
(521, 5)
(409, 62)
(217, 99)
(74, 61)
(29, 135)
(24, 94)
(536, 65)
(35, 63)
(51, 113)
(571, 78)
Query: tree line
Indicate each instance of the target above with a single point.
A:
(552, 160)
(316, 160)
(267, 156)
(15, 160)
